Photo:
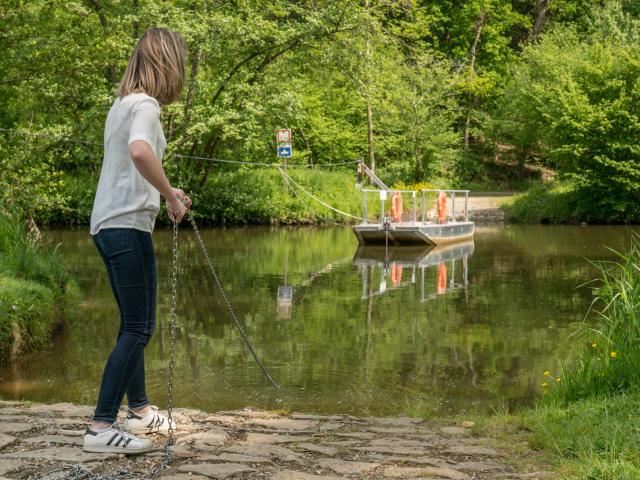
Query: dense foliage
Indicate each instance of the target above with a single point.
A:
(575, 101)
(454, 90)
(36, 291)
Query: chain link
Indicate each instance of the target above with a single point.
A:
(225, 297)
(76, 472)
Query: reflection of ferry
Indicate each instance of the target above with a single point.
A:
(408, 265)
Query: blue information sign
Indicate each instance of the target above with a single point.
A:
(284, 151)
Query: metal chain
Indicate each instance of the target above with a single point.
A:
(225, 297)
(76, 472)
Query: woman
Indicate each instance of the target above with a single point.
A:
(124, 211)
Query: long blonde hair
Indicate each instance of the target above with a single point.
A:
(156, 66)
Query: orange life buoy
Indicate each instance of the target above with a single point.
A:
(396, 207)
(442, 279)
(396, 274)
(442, 207)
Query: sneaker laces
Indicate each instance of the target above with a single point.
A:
(125, 434)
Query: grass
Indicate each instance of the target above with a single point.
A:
(36, 291)
(587, 423)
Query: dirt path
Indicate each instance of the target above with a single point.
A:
(246, 444)
(486, 208)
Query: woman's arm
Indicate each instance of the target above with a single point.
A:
(151, 169)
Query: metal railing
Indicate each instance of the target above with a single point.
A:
(383, 195)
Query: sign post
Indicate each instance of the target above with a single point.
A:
(283, 146)
(283, 142)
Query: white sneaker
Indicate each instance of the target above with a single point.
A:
(152, 422)
(115, 440)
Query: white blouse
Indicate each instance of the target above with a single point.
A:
(124, 199)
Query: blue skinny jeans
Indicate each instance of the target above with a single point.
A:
(131, 265)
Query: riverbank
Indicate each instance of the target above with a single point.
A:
(260, 197)
(250, 444)
(36, 291)
(563, 203)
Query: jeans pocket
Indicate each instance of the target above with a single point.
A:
(113, 241)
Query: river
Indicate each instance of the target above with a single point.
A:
(365, 332)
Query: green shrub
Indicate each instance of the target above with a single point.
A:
(24, 259)
(261, 196)
(27, 316)
(36, 291)
(574, 100)
(563, 202)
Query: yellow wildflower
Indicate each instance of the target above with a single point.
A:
(545, 384)
(614, 354)
(594, 345)
(547, 373)
(557, 379)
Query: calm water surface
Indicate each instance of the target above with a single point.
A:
(366, 332)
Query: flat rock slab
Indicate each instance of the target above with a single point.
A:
(294, 475)
(275, 452)
(330, 426)
(396, 421)
(410, 472)
(267, 439)
(228, 457)
(6, 440)
(478, 466)
(14, 418)
(471, 450)
(183, 476)
(9, 465)
(249, 413)
(208, 441)
(57, 439)
(394, 442)
(15, 427)
(322, 449)
(216, 470)
(62, 410)
(62, 454)
(361, 435)
(435, 462)
(344, 467)
(399, 450)
(455, 431)
(395, 431)
(344, 443)
(286, 424)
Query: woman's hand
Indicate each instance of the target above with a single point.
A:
(177, 205)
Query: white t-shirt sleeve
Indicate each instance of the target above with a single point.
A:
(145, 124)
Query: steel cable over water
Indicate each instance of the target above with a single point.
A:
(289, 180)
(179, 155)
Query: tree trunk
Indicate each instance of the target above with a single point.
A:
(136, 24)
(103, 21)
(372, 159)
(542, 9)
(474, 54)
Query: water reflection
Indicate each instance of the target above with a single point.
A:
(404, 266)
(332, 341)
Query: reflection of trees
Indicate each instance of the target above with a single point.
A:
(492, 342)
